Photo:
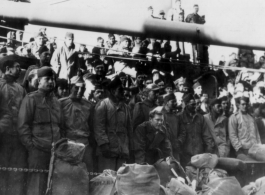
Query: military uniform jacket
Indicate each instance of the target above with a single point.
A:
(11, 96)
(39, 120)
(198, 137)
(77, 118)
(112, 125)
(141, 112)
(151, 144)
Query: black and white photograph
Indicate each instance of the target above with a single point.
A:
(132, 97)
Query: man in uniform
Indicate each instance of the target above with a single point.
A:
(142, 109)
(175, 136)
(12, 152)
(77, 113)
(65, 59)
(218, 125)
(243, 130)
(38, 46)
(113, 129)
(198, 137)
(150, 140)
(39, 122)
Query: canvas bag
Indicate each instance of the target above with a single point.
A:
(222, 186)
(177, 187)
(67, 173)
(164, 168)
(257, 151)
(103, 183)
(137, 180)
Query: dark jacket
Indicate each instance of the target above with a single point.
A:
(198, 137)
(175, 134)
(39, 120)
(77, 118)
(112, 125)
(11, 96)
(219, 131)
(150, 144)
(141, 112)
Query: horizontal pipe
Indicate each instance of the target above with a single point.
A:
(137, 24)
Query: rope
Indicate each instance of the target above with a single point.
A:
(25, 170)
(145, 60)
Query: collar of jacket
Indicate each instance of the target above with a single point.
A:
(150, 128)
(9, 78)
(219, 120)
(186, 116)
(240, 113)
(148, 103)
(45, 93)
(165, 111)
(69, 51)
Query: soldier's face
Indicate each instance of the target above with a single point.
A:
(225, 105)
(191, 106)
(62, 92)
(243, 106)
(157, 121)
(40, 40)
(169, 90)
(198, 90)
(98, 94)
(99, 70)
(15, 70)
(217, 108)
(47, 83)
(112, 40)
(153, 95)
(119, 93)
(69, 41)
(78, 91)
(171, 104)
(196, 9)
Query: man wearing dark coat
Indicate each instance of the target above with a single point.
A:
(150, 140)
(113, 129)
(12, 152)
(198, 137)
(142, 109)
(77, 124)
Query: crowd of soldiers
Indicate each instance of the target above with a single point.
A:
(120, 119)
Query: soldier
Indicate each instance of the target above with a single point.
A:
(175, 136)
(38, 46)
(39, 123)
(142, 109)
(243, 130)
(12, 152)
(218, 125)
(77, 113)
(113, 129)
(65, 60)
(198, 137)
(150, 140)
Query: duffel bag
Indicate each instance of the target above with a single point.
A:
(257, 151)
(177, 187)
(205, 160)
(137, 180)
(103, 183)
(169, 168)
(222, 186)
(231, 164)
(67, 173)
